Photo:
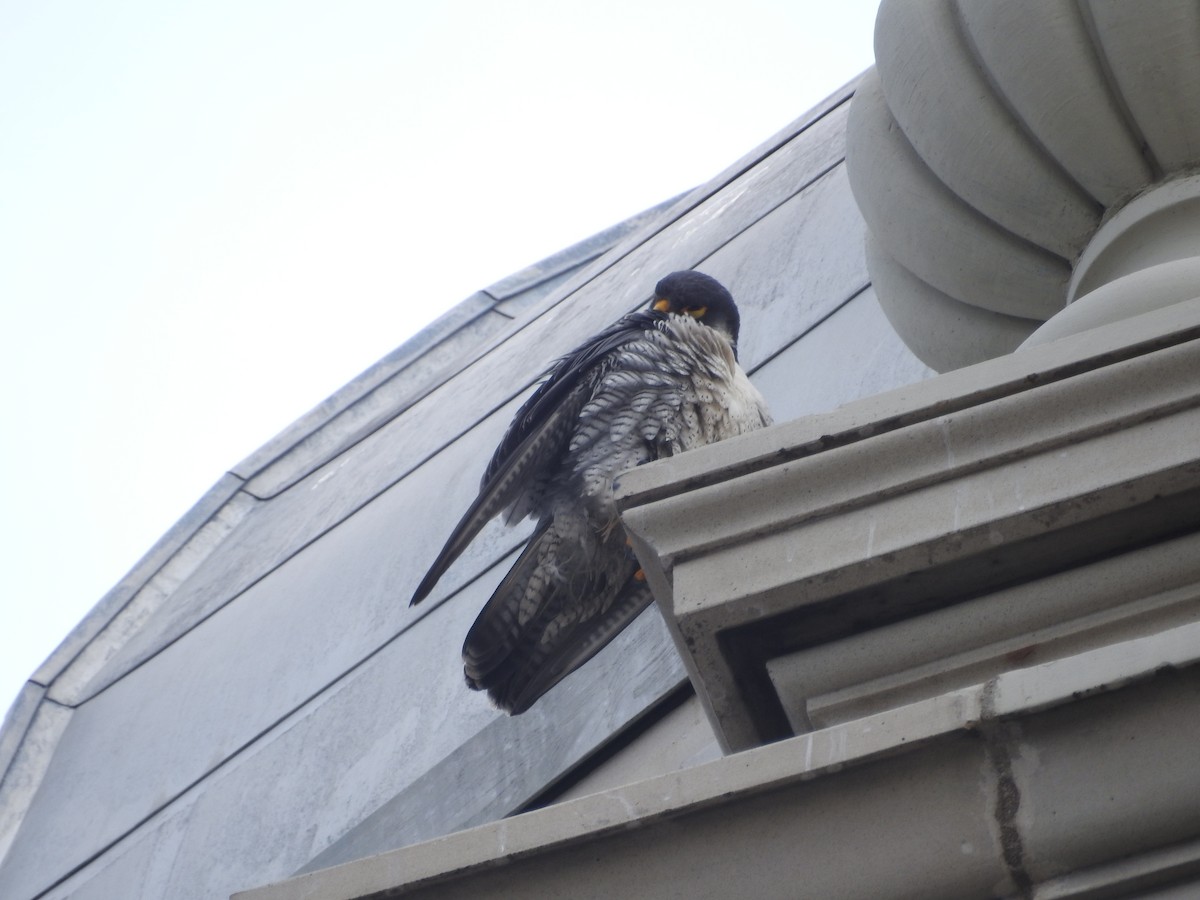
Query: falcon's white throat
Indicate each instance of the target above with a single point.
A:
(726, 403)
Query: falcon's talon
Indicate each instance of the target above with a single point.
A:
(657, 382)
(629, 554)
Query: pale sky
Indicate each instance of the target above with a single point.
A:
(213, 215)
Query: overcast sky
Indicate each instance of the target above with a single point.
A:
(213, 215)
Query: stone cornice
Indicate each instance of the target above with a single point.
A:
(937, 798)
(1013, 472)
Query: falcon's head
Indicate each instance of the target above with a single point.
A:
(701, 297)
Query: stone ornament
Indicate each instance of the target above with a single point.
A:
(1014, 159)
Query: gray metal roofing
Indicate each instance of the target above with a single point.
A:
(256, 696)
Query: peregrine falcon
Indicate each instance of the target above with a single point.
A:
(658, 382)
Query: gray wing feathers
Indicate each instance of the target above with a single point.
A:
(648, 387)
(512, 487)
(531, 449)
(574, 587)
(549, 616)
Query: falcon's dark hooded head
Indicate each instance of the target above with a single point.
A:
(702, 297)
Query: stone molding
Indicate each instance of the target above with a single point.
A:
(979, 496)
(985, 791)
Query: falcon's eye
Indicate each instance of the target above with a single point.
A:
(696, 312)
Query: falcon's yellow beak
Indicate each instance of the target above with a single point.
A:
(663, 305)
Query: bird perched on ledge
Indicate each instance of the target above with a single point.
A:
(657, 382)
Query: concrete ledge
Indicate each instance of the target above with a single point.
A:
(981, 792)
(924, 400)
(775, 555)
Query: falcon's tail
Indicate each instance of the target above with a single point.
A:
(517, 658)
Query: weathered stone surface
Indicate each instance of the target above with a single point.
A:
(1117, 599)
